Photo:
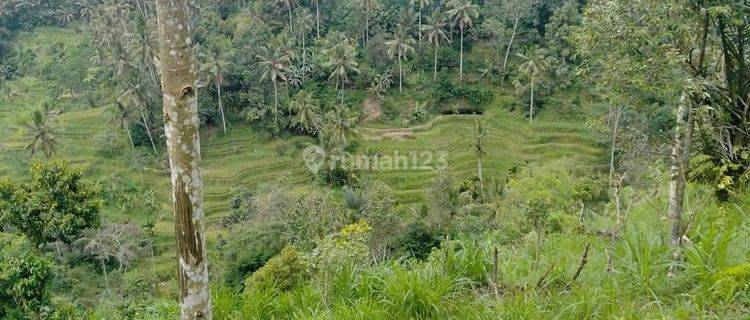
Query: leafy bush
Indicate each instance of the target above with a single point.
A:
(442, 196)
(248, 249)
(311, 217)
(25, 277)
(561, 222)
(243, 206)
(55, 206)
(559, 185)
(282, 272)
(378, 209)
(416, 240)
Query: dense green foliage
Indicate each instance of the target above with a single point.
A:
(25, 277)
(56, 206)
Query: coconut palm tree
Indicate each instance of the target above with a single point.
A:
(380, 83)
(121, 118)
(135, 95)
(307, 115)
(369, 6)
(317, 16)
(141, 49)
(304, 20)
(535, 65)
(274, 65)
(41, 135)
(421, 4)
(342, 59)
(435, 32)
(339, 128)
(401, 45)
(462, 12)
(214, 68)
(405, 18)
(289, 4)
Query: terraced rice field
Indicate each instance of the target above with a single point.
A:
(249, 158)
(511, 142)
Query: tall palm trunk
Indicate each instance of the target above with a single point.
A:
(419, 27)
(367, 27)
(179, 87)
(275, 103)
(461, 62)
(531, 108)
(221, 107)
(479, 172)
(304, 54)
(342, 91)
(510, 43)
(677, 178)
(130, 137)
(434, 74)
(290, 19)
(148, 129)
(613, 149)
(400, 76)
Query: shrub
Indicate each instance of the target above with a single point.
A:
(378, 203)
(352, 198)
(311, 217)
(559, 221)
(25, 277)
(57, 205)
(442, 196)
(416, 240)
(556, 185)
(248, 249)
(345, 249)
(243, 206)
(282, 272)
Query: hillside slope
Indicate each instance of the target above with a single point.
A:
(246, 157)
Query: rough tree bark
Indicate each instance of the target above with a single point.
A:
(178, 78)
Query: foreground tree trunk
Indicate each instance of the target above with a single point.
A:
(677, 178)
(178, 78)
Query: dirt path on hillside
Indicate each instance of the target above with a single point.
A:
(371, 110)
(400, 133)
